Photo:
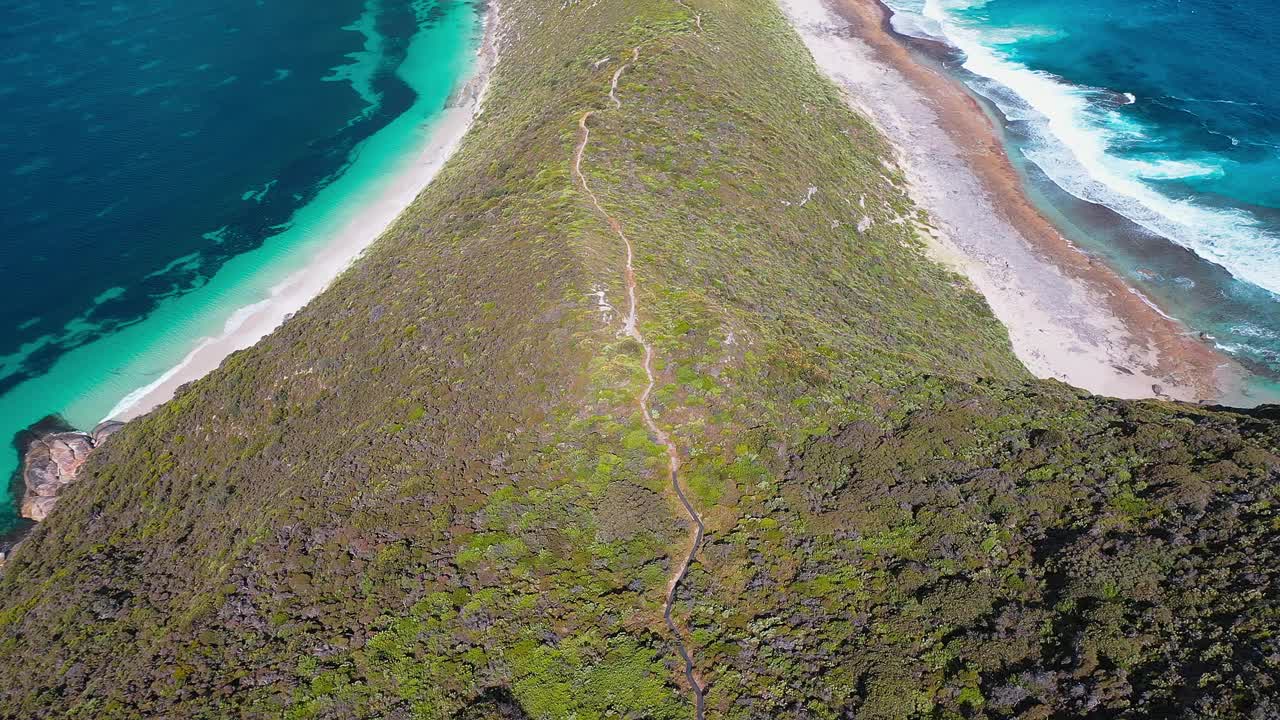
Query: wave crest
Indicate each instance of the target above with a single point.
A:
(1074, 133)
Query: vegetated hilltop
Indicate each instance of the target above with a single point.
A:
(432, 493)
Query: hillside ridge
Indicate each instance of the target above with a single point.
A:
(450, 486)
(631, 329)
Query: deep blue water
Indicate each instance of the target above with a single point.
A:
(144, 144)
(131, 131)
(1165, 112)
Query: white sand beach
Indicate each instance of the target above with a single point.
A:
(1068, 316)
(250, 324)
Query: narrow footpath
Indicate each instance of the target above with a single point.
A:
(632, 330)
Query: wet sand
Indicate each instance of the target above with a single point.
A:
(1069, 317)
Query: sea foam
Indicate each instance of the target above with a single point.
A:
(1072, 138)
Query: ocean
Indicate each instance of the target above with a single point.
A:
(1148, 131)
(164, 165)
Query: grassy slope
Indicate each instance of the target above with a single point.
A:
(430, 493)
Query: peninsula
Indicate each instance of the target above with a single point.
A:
(693, 385)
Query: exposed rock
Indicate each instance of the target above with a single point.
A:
(38, 507)
(53, 461)
(104, 430)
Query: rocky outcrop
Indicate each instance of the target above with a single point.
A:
(53, 461)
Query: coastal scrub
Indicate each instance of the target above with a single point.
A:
(432, 494)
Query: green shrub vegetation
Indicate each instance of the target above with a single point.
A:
(430, 494)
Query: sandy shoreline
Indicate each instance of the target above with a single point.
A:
(1069, 317)
(250, 324)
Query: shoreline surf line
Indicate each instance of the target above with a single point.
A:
(249, 324)
(1068, 316)
(1068, 138)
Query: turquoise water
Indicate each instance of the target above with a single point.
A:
(148, 209)
(1149, 131)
